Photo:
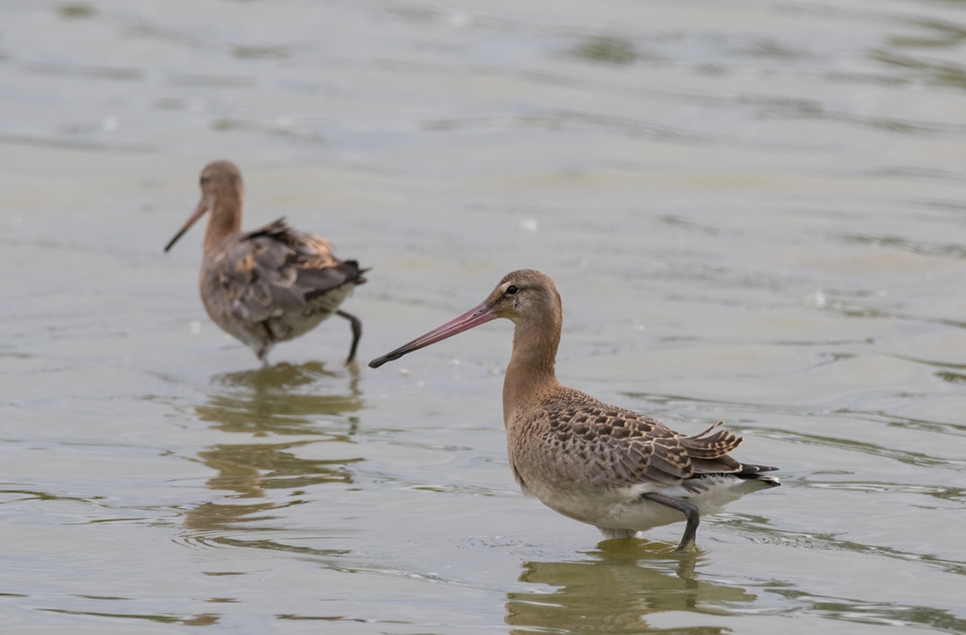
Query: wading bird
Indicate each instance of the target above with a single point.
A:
(613, 468)
(271, 284)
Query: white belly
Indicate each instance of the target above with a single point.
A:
(623, 511)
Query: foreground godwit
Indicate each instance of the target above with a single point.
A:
(616, 469)
(271, 284)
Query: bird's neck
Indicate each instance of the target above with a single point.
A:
(530, 373)
(225, 218)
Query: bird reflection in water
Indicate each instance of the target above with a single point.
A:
(614, 590)
(285, 400)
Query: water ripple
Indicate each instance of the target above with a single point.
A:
(918, 459)
(875, 613)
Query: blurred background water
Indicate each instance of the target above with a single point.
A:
(754, 212)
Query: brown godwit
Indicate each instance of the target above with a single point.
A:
(271, 284)
(616, 469)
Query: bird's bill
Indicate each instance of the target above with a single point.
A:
(474, 317)
(195, 215)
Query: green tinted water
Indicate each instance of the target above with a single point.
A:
(754, 213)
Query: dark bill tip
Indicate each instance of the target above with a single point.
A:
(379, 361)
(168, 247)
(474, 317)
(195, 215)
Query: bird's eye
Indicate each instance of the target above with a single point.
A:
(511, 290)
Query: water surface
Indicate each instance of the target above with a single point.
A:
(754, 212)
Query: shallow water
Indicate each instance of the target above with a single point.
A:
(754, 212)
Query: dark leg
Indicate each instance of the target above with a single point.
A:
(267, 343)
(356, 333)
(690, 512)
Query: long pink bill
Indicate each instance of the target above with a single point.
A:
(195, 215)
(474, 317)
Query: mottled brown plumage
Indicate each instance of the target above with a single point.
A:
(607, 466)
(271, 284)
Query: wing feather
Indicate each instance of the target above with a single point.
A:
(626, 447)
(276, 270)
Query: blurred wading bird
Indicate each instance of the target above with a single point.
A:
(271, 284)
(616, 469)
